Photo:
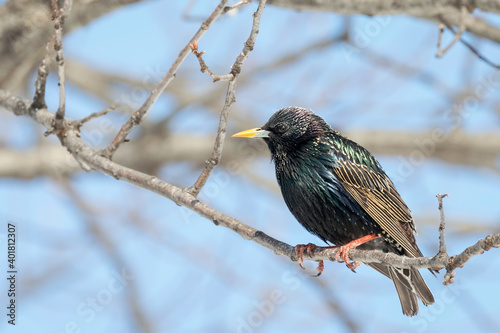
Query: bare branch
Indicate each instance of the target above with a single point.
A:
(138, 115)
(458, 35)
(237, 5)
(89, 158)
(469, 46)
(458, 261)
(204, 67)
(43, 73)
(441, 11)
(27, 27)
(440, 36)
(214, 160)
(442, 244)
(249, 44)
(450, 263)
(473, 24)
(479, 55)
(93, 115)
(58, 16)
(387, 7)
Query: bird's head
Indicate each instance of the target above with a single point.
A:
(288, 129)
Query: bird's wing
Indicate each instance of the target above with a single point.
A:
(364, 179)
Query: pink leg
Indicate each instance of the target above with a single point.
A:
(299, 250)
(343, 251)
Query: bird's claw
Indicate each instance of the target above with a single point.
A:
(342, 255)
(352, 266)
(320, 268)
(343, 252)
(299, 250)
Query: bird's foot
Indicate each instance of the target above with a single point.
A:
(342, 255)
(343, 252)
(299, 250)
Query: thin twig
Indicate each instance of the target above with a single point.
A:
(59, 16)
(470, 47)
(41, 79)
(214, 160)
(479, 55)
(249, 44)
(458, 35)
(237, 5)
(440, 37)
(203, 66)
(442, 244)
(92, 116)
(139, 114)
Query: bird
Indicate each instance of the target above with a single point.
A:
(339, 192)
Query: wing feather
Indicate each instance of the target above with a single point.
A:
(364, 179)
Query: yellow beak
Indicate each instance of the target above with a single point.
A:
(253, 133)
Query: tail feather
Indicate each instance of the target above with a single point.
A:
(409, 285)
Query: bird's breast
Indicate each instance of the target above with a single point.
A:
(319, 202)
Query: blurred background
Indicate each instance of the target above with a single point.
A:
(98, 255)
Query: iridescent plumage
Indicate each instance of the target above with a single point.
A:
(338, 191)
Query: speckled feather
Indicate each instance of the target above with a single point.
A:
(338, 191)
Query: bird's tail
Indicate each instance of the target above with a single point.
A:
(409, 285)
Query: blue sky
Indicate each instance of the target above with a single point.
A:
(189, 275)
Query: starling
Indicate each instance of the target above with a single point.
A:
(338, 191)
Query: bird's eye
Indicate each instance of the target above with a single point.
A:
(281, 128)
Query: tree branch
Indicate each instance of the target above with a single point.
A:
(473, 24)
(26, 26)
(430, 10)
(91, 159)
(387, 7)
(203, 66)
(468, 45)
(214, 160)
(42, 74)
(442, 243)
(456, 38)
(59, 15)
(138, 115)
(237, 5)
(94, 115)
